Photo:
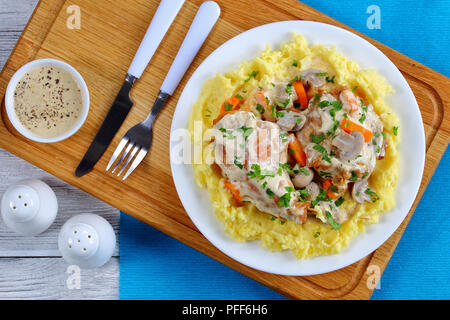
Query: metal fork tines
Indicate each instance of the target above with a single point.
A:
(136, 142)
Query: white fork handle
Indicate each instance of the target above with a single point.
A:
(163, 18)
(204, 21)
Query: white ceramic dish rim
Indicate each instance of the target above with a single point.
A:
(412, 147)
(9, 99)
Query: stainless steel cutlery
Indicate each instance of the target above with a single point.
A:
(136, 143)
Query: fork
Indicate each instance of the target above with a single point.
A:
(138, 140)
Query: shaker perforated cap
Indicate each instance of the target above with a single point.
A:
(29, 207)
(87, 240)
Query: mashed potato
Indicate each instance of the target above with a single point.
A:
(248, 223)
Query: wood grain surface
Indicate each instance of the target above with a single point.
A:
(32, 267)
(102, 51)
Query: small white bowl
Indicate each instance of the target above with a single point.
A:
(9, 99)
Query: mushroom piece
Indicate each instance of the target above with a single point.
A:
(313, 78)
(291, 121)
(313, 190)
(349, 145)
(359, 191)
(303, 178)
(382, 153)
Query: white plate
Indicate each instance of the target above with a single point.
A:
(247, 46)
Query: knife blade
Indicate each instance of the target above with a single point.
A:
(163, 18)
(114, 119)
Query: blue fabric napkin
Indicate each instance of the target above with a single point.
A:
(155, 266)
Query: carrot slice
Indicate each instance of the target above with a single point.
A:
(301, 94)
(230, 104)
(327, 184)
(296, 150)
(234, 191)
(349, 126)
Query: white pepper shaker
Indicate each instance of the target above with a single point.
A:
(87, 240)
(29, 207)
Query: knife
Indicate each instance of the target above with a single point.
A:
(163, 18)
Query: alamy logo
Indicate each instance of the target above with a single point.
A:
(74, 279)
(74, 18)
(374, 20)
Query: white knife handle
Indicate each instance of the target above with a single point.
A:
(163, 18)
(204, 21)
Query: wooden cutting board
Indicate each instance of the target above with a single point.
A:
(102, 50)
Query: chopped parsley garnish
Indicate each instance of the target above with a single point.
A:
(376, 134)
(264, 184)
(238, 164)
(251, 75)
(354, 89)
(246, 131)
(285, 199)
(325, 174)
(334, 224)
(364, 107)
(373, 195)
(228, 133)
(295, 63)
(289, 89)
(330, 80)
(337, 105)
(333, 128)
(317, 234)
(322, 196)
(291, 151)
(339, 201)
(282, 221)
(384, 134)
(321, 74)
(363, 118)
(260, 108)
(295, 79)
(304, 192)
(239, 96)
(257, 173)
(304, 171)
(365, 174)
(323, 151)
(273, 218)
(317, 139)
(324, 104)
(283, 136)
(395, 131)
(270, 193)
(289, 189)
(284, 104)
(287, 167)
(316, 99)
(354, 176)
(378, 149)
(228, 106)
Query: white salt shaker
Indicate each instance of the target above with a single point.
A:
(87, 240)
(29, 207)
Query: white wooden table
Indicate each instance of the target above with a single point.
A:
(32, 267)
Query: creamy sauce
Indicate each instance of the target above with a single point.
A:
(47, 101)
(331, 153)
